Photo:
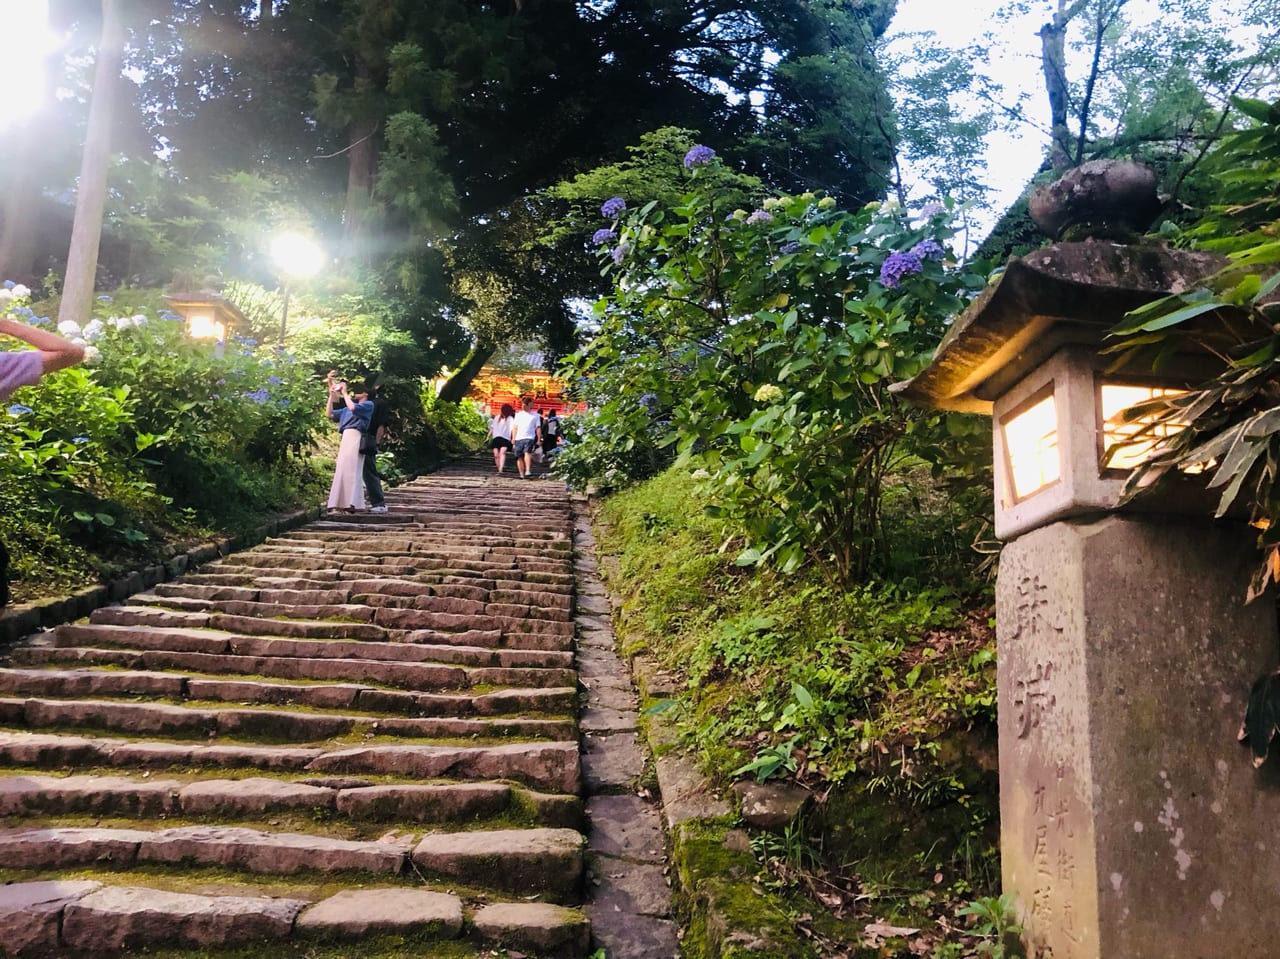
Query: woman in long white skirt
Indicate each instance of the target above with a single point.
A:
(346, 494)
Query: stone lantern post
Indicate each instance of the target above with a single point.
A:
(1133, 825)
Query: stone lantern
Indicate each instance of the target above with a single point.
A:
(1133, 825)
(208, 316)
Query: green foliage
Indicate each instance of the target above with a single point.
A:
(1232, 422)
(761, 348)
(997, 924)
(120, 455)
(789, 676)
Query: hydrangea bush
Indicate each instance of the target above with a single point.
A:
(152, 435)
(767, 341)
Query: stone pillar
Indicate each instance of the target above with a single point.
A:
(1133, 825)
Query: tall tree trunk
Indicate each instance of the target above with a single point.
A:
(266, 10)
(91, 194)
(361, 166)
(1053, 62)
(455, 388)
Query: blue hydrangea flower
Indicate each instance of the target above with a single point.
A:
(602, 236)
(930, 210)
(9, 284)
(649, 401)
(258, 396)
(17, 409)
(40, 321)
(760, 216)
(169, 315)
(896, 266)
(104, 299)
(698, 155)
(613, 207)
(274, 380)
(790, 247)
(929, 250)
(620, 253)
(79, 440)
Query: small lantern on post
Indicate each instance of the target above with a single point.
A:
(208, 316)
(1125, 648)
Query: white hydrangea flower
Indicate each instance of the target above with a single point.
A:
(120, 322)
(6, 294)
(21, 291)
(79, 341)
(94, 329)
(69, 328)
(139, 319)
(768, 393)
(92, 356)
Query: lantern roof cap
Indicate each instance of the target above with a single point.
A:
(1061, 294)
(209, 298)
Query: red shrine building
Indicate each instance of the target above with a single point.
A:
(491, 388)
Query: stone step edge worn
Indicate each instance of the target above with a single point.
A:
(44, 917)
(21, 621)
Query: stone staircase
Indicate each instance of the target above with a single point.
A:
(360, 736)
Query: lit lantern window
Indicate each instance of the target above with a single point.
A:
(1031, 445)
(203, 326)
(1119, 450)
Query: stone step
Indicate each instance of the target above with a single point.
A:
(415, 676)
(255, 797)
(160, 719)
(215, 641)
(548, 766)
(235, 847)
(49, 918)
(546, 861)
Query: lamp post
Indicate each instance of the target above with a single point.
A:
(1128, 812)
(296, 256)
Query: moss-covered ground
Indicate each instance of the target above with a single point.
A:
(878, 697)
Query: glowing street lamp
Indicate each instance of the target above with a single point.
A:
(296, 257)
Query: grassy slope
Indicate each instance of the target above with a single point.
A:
(879, 699)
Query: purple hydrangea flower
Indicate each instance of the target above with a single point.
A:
(603, 236)
(649, 401)
(929, 250)
(274, 380)
(789, 247)
(930, 210)
(896, 266)
(613, 207)
(760, 216)
(620, 253)
(699, 155)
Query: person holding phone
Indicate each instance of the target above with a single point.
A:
(352, 412)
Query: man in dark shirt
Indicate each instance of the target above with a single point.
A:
(375, 435)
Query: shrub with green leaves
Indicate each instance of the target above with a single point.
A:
(766, 343)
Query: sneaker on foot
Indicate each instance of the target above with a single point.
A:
(378, 509)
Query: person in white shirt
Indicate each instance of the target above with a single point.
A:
(528, 434)
(500, 428)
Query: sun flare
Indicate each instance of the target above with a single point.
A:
(25, 25)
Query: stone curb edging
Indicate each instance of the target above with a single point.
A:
(20, 621)
(723, 912)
